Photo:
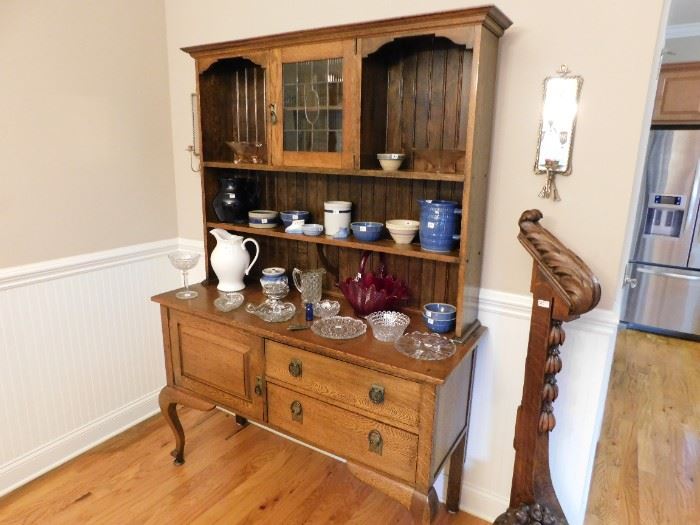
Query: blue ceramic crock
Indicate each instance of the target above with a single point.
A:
(439, 220)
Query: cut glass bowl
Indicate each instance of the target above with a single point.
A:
(388, 326)
(424, 346)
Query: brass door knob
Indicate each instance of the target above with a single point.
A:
(375, 441)
(297, 411)
(376, 394)
(295, 368)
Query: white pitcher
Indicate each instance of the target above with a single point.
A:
(230, 260)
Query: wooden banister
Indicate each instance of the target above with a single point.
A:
(563, 288)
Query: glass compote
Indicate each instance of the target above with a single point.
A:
(184, 261)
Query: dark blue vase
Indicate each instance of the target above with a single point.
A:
(439, 225)
(236, 197)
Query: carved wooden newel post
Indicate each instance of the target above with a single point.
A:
(563, 288)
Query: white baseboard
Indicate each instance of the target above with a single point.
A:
(41, 460)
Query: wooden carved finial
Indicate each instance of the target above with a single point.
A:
(567, 272)
(563, 288)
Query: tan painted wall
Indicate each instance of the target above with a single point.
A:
(85, 150)
(592, 38)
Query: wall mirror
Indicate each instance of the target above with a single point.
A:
(556, 133)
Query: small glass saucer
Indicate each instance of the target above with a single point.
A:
(337, 327)
(425, 346)
(228, 301)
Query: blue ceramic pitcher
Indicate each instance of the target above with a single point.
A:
(439, 224)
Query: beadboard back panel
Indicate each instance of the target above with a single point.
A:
(77, 347)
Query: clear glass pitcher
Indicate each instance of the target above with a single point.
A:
(309, 283)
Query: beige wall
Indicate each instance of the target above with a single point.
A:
(85, 150)
(615, 59)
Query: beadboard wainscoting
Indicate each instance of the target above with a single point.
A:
(80, 351)
(91, 366)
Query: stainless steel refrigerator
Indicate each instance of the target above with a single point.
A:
(663, 275)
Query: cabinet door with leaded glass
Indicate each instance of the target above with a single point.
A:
(315, 118)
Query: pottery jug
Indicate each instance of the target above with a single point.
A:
(230, 259)
(439, 224)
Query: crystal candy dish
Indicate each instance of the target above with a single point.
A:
(337, 327)
(427, 347)
(326, 308)
(388, 326)
(228, 301)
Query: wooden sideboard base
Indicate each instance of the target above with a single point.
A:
(423, 507)
(168, 399)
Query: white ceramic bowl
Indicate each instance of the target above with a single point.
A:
(402, 230)
(390, 161)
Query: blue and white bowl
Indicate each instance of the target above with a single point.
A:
(367, 231)
(293, 215)
(262, 218)
(440, 311)
(439, 327)
(312, 229)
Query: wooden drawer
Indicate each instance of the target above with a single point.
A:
(343, 432)
(345, 383)
(217, 361)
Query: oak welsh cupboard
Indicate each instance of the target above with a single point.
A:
(422, 85)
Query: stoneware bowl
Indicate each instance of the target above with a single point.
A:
(262, 218)
(440, 311)
(390, 161)
(293, 215)
(312, 229)
(367, 231)
(402, 230)
(439, 327)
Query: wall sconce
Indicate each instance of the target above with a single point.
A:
(193, 148)
(556, 133)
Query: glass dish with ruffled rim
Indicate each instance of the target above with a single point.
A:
(338, 327)
(326, 308)
(388, 326)
(425, 346)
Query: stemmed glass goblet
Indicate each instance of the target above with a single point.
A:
(184, 261)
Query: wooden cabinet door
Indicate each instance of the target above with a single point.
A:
(218, 362)
(678, 94)
(315, 90)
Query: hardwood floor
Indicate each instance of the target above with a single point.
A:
(231, 476)
(647, 467)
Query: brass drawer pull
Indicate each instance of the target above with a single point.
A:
(258, 386)
(375, 441)
(295, 368)
(376, 394)
(273, 114)
(297, 411)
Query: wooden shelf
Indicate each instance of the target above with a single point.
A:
(382, 246)
(378, 173)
